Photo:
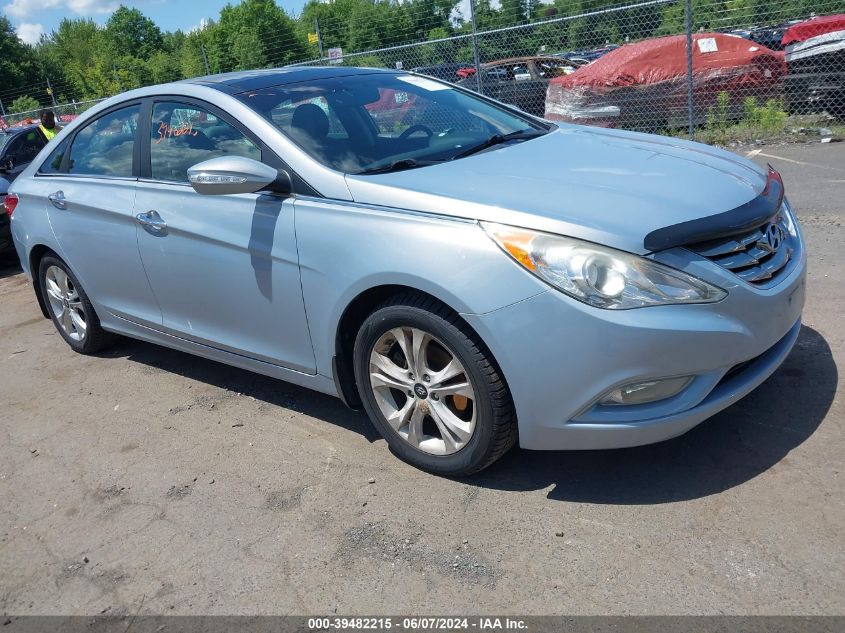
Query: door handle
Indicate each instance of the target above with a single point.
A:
(151, 220)
(57, 199)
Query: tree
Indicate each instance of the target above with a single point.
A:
(17, 66)
(76, 48)
(259, 33)
(130, 33)
(24, 103)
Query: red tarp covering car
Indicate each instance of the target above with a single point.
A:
(812, 28)
(645, 84)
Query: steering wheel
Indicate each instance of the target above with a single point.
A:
(416, 128)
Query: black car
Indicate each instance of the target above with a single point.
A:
(18, 147)
(520, 81)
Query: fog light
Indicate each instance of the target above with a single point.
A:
(643, 392)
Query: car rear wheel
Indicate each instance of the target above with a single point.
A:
(431, 388)
(69, 308)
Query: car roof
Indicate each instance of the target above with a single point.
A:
(244, 81)
(12, 130)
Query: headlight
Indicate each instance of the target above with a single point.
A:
(597, 275)
(789, 218)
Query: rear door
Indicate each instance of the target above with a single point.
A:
(87, 185)
(224, 269)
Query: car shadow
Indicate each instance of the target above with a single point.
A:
(275, 392)
(725, 451)
(731, 448)
(9, 264)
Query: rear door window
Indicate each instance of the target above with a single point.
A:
(106, 146)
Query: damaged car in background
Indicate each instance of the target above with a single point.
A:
(645, 85)
(815, 57)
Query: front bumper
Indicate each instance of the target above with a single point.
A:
(560, 356)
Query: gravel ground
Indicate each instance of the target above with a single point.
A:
(148, 481)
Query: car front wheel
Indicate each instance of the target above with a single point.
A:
(432, 388)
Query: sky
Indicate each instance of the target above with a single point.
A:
(31, 18)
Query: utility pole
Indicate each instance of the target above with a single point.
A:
(475, 46)
(116, 77)
(319, 37)
(205, 59)
(688, 20)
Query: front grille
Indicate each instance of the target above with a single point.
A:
(757, 256)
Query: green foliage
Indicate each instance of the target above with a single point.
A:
(130, 33)
(727, 122)
(769, 118)
(17, 60)
(257, 33)
(367, 61)
(24, 103)
(718, 116)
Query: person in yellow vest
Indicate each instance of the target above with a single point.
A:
(48, 124)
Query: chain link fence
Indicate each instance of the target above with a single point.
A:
(64, 113)
(722, 71)
(716, 70)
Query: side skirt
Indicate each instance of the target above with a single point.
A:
(317, 382)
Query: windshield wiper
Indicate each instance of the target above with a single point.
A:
(398, 165)
(498, 139)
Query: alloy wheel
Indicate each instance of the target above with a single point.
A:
(66, 303)
(423, 390)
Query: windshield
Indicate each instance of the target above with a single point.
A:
(384, 122)
(4, 138)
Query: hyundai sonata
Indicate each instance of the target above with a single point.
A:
(470, 275)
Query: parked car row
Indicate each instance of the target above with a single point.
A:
(645, 85)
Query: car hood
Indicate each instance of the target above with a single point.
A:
(607, 186)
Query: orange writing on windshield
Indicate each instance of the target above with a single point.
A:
(166, 131)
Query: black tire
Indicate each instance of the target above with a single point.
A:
(495, 427)
(96, 338)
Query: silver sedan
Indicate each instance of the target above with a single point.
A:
(470, 275)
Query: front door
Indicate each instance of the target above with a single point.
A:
(224, 269)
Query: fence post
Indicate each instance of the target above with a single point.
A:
(475, 46)
(205, 59)
(50, 90)
(2, 109)
(319, 37)
(688, 20)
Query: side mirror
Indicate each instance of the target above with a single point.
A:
(8, 164)
(236, 174)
